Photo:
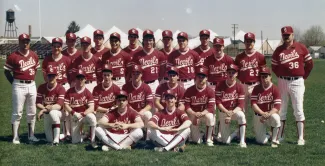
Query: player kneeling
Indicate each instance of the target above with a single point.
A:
(266, 102)
(50, 98)
(230, 97)
(121, 127)
(170, 127)
(80, 104)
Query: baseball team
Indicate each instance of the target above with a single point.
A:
(160, 96)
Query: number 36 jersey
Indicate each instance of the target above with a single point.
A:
(249, 65)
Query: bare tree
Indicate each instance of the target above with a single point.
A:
(297, 33)
(73, 27)
(314, 36)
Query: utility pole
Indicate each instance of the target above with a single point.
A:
(234, 26)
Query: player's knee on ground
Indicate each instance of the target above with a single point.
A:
(209, 119)
(241, 119)
(195, 133)
(91, 119)
(275, 120)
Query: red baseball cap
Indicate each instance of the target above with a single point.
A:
(23, 36)
(182, 35)
(122, 93)
(218, 41)
(167, 33)
(70, 36)
(133, 31)
(81, 72)
(232, 67)
(85, 39)
(107, 67)
(172, 69)
(202, 70)
(287, 30)
(98, 32)
(148, 33)
(57, 40)
(170, 93)
(51, 71)
(115, 35)
(205, 32)
(265, 70)
(249, 36)
(137, 68)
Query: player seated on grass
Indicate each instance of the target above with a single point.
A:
(169, 128)
(230, 97)
(199, 104)
(80, 104)
(266, 102)
(50, 99)
(121, 127)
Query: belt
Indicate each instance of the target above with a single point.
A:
(149, 82)
(25, 81)
(185, 80)
(257, 114)
(64, 83)
(116, 78)
(89, 82)
(165, 78)
(212, 83)
(249, 83)
(289, 78)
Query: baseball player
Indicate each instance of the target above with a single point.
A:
(120, 127)
(99, 48)
(173, 85)
(133, 47)
(249, 63)
(58, 61)
(199, 105)
(230, 97)
(23, 63)
(185, 60)
(292, 64)
(50, 99)
(140, 96)
(167, 50)
(170, 127)
(104, 93)
(88, 63)
(71, 51)
(150, 59)
(79, 102)
(117, 59)
(266, 102)
(204, 49)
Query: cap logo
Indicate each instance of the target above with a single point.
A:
(57, 39)
(148, 31)
(205, 32)
(136, 67)
(249, 35)
(80, 71)
(166, 32)
(71, 35)
(106, 66)
(85, 38)
(218, 40)
(115, 34)
(24, 35)
(285, 29)
(133, 31)
(98, 31)
(201, 69)
(231, 66)
(51, 69)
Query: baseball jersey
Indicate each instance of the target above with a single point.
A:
(163, 72)
(185, 62)
(217, 67)
(72, 55)
(151, 63)
(230, 96)
(46, 96)
(62, 65)
(292, 61)
(249, 65)
(105, 97)
(199, 99)
(266, 99)
(118, 61)
(127, 117)
(132, 51)
(162, 89)
(90, 66)
(78, 100)
(203, 54)
(172, 119)
(98, 53)
(23, 66)
(139, 96)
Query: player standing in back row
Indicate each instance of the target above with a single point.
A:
(292, 64)
(204, 50)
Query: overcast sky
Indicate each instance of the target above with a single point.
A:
(186, 15)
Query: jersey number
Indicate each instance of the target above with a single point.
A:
(122, 71)
(31, 72)
(253, 72)
(293, 65)
(154, 70)
(190, 70)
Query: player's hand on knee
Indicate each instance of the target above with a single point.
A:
(77, 116)
(49, 107)
(266, 115)
(40, 114)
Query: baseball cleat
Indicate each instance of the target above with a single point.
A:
(33, 139)
(55, 144)
(16, 141)
(243, 145)
(127, 148)
(105, 148)
(94, 145)
(273, 145)
(209, 143)
(159, 149)
(301, 142)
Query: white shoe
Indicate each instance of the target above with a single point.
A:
(94, 145)
(105, 148)
(275, 144)
(16, 141)
(33, 139)
(301, 142)
(209, 143)
(243, 145)
(159, 149)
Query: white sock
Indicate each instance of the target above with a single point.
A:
(92, 133)
(31, 127)
(242, 132)
(209, 133)
(275, 131)
(15, 127)
(56, 133)
(300, 126)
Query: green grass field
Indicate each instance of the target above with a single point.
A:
(288, 153)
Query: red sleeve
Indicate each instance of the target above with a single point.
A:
(44, 67)
(127, 59)
(155, 118)
(162, 68)
(237, 63)
(241, 96)
(61, 94)
(309, 64)
(96, 98)
(262, 59)
(187, 100)
(98, 71)
(197, 59)
(149, 95)
(159, 91)
(211, 100)
(182, 116)
(67, 98)
(181, 93)
(218, 94)
(277, 98)
(9, 63)
(39, 97)
(254, 95)
(275, 62)
(90, 97)
(109, 116)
